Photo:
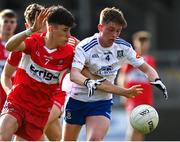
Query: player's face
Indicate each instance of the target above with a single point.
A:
(109, 32)
(60, 34)
(8, 25)
(145, 46)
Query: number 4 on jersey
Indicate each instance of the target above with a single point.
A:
(107, 57)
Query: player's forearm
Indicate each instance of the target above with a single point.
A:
(108, 87)
(77, 77)
(6, 83)
(149, 71)
(15, 43)
(105, 86)
(6, 76)
(152, 74)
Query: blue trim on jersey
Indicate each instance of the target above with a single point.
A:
(89, 47)
(77, 111)
(122, 41)
(90, 44)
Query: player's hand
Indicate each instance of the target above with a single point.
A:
(133, 91)
(40, 20)
(91, 85)
(158, 83)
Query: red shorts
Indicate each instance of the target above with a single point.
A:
(2, 97)
(59, 99)
(31, 125)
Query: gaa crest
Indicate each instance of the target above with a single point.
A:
(120, 53)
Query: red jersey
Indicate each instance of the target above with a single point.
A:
(3, 56)
(39, 74)
(134, 76)
(15, 57)
(73, 41)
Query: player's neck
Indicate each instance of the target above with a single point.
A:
(49, 42)
(103, 43)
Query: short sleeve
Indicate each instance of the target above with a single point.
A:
(79, 58)
(133, 58)
(29, 43)
(14, 58)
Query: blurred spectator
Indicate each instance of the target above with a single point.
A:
(130, 76)
(8, 24)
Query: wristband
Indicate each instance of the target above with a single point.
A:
(157, 79)
(28, 32)
(86, 81)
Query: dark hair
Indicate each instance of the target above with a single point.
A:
(141, 36)
(112, 15)
(59, 15)
(30, 12)
(8, 13)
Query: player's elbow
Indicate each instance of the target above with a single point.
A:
(9, 46)
(73, 74)
(72, 77)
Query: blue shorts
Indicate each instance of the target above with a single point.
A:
(76, 111)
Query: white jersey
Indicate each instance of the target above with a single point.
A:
(104, 62)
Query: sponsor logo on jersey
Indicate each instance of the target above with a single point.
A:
(106, 70)
(95, 56)
(120, 53)
(43, 74)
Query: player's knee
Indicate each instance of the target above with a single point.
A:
(95, 137)
(5, 137)
(55, 137)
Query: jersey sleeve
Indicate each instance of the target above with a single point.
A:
(29, 43)
(32, 42)
(70, 58)
(133, 58)
(73, 41)
(79, 58)
(14, 58)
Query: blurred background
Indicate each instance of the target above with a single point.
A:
(162, 19)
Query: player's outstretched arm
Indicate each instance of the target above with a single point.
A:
(154, 78)
(108, 87)
(15, 43)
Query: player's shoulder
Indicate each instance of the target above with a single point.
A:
(123, 43)
(36, 37)
(88, 43)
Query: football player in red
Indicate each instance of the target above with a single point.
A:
(46, 58)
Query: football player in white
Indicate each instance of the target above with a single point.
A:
(102, 54)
